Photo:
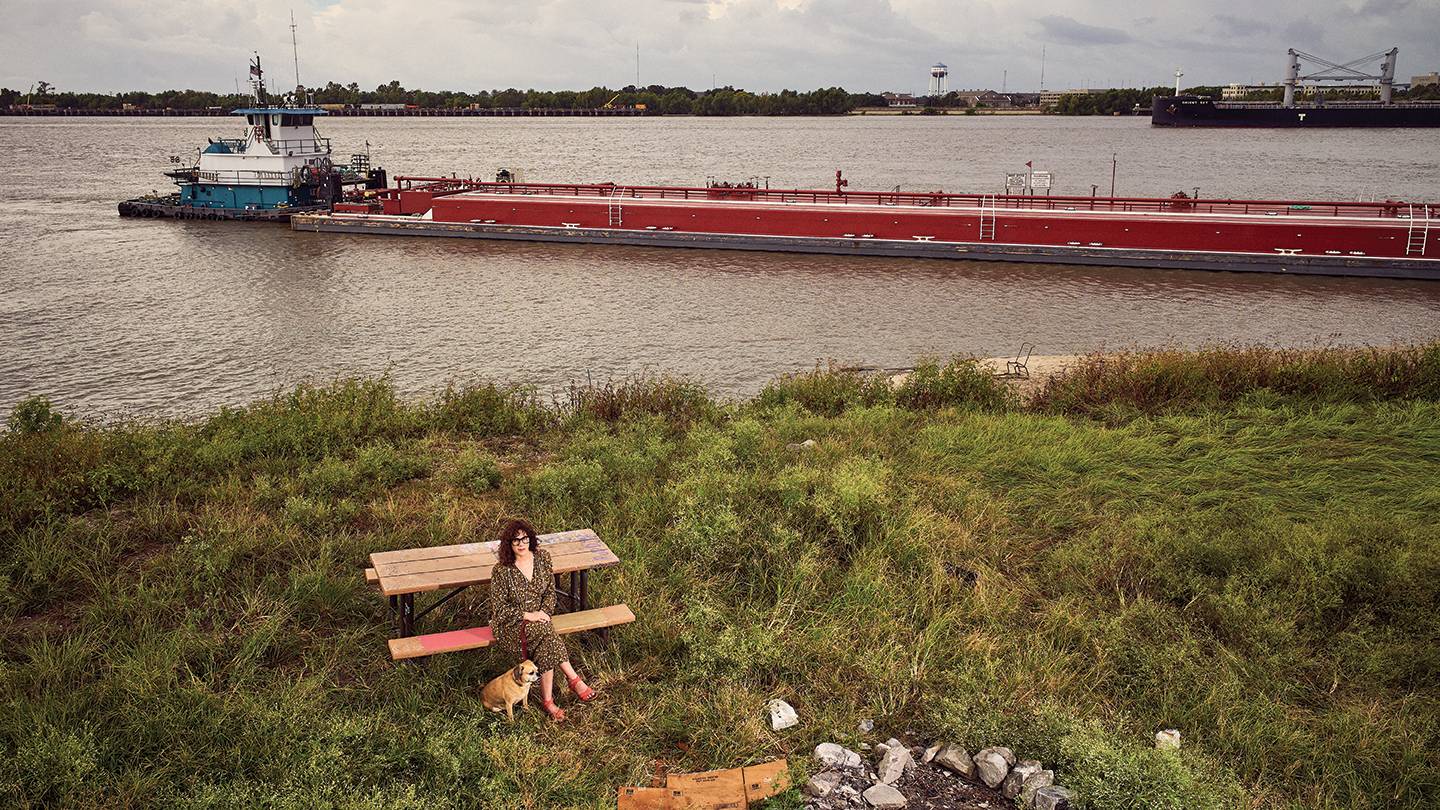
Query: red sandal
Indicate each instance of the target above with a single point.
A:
(588, 694)
(556, 713)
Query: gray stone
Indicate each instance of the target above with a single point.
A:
(930, 753)
(1054, 798)
(956, 759)
(992, 767)
(782, 715)
(808, 443)
(1017, 776)
(879, 749)
(884, 797)
(1040, 779)
(894, 763)
(1168, 738)
(821, 784)
(831, 755)
(866, 726)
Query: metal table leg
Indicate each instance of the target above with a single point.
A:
(407, 615)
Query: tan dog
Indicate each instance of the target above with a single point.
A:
(511, 687)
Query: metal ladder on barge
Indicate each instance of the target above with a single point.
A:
(1419, 232)
(987, 217)
(617, 211)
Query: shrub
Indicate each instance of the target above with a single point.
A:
(34, 415)
(487, 409)
(476, 471)
(680, 402)
(959, 383)
(1182, 380)
(827, 391)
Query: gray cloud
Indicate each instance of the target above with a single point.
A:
(1074, 32)
(756, 44)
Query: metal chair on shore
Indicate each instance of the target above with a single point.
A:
(1019, 367)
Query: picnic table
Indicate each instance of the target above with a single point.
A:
(403, 574)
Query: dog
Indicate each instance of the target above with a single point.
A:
(509, 688)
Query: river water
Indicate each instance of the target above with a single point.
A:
(112, 317)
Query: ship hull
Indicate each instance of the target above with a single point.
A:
(1190, 111)
(1389, 239)
(381, 225)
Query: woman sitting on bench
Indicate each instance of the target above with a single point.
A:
(522, 597)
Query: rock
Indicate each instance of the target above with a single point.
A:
(956, 759)
(1169, 738)
(808, 443)
(864, 746)
(866, 726)
(1040, 779)
(1017, 776)
(832, 755)
(884, 797)
(930, 753)
(992, 766)
(1054, 798)
(894, 763)
(879, 749)
(821, 784)
(782, 715)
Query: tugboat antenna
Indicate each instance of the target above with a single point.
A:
(295, 48)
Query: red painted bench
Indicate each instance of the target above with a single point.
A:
(478, 637)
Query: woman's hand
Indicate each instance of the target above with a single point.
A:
(536, 616)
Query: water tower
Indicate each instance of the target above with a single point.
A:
(938, 72)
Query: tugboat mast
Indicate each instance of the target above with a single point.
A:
(295, 48)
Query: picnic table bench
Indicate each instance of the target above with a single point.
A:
(402, 574)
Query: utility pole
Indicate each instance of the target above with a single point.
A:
(1114, 162)
(1042, 68)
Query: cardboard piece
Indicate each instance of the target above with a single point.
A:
(731, 789)
(641, 798)
(766, 779)
(708, 790)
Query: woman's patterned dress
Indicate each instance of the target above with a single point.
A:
(512, 596)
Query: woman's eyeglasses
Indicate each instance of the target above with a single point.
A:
(521, 539)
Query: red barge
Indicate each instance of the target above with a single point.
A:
(1384, 239)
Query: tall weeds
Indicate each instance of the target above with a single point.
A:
(1252, 560)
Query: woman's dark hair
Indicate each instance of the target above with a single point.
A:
(513, 527)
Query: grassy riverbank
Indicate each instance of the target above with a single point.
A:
(1240, 544)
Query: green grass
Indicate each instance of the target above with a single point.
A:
(1237, 543)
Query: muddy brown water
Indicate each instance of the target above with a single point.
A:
(160, 318)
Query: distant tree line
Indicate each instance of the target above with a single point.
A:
(657, 99)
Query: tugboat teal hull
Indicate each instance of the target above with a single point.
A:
(172, 208)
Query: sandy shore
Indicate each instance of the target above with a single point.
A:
(1041, 367)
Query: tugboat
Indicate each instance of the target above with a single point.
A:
(280, 167)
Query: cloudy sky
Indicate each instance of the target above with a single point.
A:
(755, 44)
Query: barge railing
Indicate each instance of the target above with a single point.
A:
(442, 186)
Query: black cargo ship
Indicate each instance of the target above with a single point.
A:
(1200, 111)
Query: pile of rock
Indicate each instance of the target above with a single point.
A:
(901, 775)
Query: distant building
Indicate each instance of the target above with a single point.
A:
(904, 100)
(989, 98)
(1051, 98)
(1424, 79)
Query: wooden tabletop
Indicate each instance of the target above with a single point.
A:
(417, 570)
